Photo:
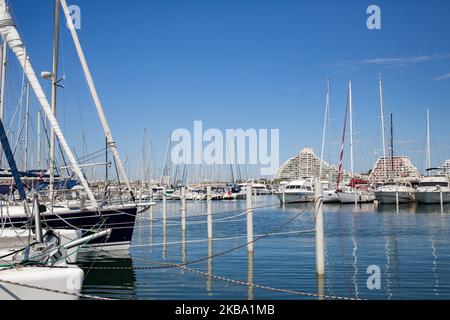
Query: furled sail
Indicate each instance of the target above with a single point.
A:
(11, 37)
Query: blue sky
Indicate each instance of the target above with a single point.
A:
(161, 65)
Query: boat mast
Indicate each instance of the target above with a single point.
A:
(4, 57)
(380, 84)
(325, 123)
(392, 148)
(350, 103)
(165, 169)
(54, 79)
(11, 36)
(98, 105)
(341, 159)
(428, 165)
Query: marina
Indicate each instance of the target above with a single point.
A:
(410, 246)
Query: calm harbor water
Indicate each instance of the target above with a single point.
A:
(411, 247)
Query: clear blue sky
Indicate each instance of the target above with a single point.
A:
(161, 65)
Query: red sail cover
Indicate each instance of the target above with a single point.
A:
(358, 183)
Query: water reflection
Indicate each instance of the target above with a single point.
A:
(118, 282)
(210, 268)
(250, 275)
(321, 287)
(391, 253)
(411, 248)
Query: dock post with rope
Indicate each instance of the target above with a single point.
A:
(320, 260)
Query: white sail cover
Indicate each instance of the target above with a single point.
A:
(11, 37)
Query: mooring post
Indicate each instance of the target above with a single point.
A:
(209, 209)
(284, 196)
(320, 259)
(441, 200)
(183, 208)
(249, 218)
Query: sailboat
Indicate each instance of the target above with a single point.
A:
(435, 187)
(357, 192)
(329, 194)
(87, 215)
(25, 268)
(393, 190)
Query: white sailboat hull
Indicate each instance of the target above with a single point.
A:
(390, 197)
(68, 280)
(330, 197)
(352, 197)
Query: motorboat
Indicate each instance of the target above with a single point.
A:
(298, 191)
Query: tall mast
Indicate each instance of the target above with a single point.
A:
(4, 57)
(428, 141)
(98, 105)
(350, 103)
(10, 35)
(341, 159)
(54, 93)
(27, 124)
(164, 170)
(380, 83)
(392, 148)
(325, 123)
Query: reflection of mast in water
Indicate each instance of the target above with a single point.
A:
(355, 265)
(434, 268)
(164, 240)
(151, 226)
(391, 251)
(391, 269)
(355, 257)
(342, 245)
(329, 278)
